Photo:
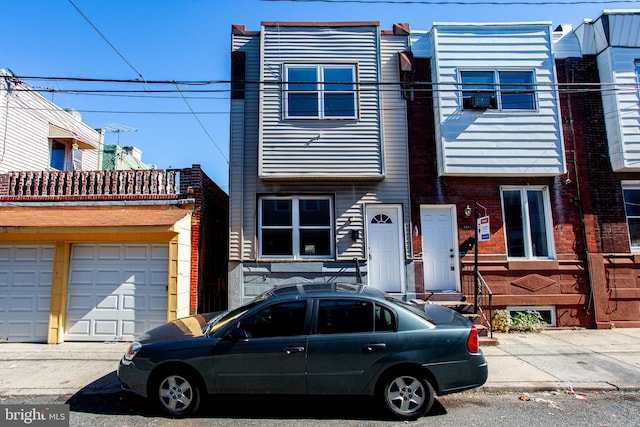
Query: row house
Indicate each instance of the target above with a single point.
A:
(93, 254)
(319, 185)
(372, 156)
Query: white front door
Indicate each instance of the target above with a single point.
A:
(386, 248)
(439, 248)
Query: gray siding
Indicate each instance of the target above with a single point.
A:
(320, 148)
(492, 142)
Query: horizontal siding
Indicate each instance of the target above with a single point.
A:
(622, 115)
(27, 116)
(320, 148)
(496, 143)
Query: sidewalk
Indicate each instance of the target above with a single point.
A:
(582, 360)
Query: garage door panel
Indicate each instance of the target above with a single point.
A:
(25, 289)
(125, 301)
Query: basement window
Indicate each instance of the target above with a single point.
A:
(548, 313)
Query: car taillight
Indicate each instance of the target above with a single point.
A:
(133, 349)
(473, 344)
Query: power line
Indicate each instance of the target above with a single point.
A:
(463, 3)
(106, 40)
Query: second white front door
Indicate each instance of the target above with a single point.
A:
(439, 249)
(386, 248)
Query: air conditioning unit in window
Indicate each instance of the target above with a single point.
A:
(481, 101)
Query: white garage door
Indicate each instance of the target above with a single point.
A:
(116, 291)
(25, 292)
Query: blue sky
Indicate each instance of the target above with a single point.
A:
(185, 40)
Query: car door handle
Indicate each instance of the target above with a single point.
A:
(370, 348)
(291, 350)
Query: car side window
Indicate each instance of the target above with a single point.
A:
(384, 319)
(344, 316)
(277, 320)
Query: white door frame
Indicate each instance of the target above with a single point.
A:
(454, 241)
(370, 210)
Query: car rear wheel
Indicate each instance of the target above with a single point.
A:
(178, 393)
(407, 396)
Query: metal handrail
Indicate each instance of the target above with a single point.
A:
(489, 294)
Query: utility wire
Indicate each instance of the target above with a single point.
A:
(202, 125)
(107, 40)
(459, 2)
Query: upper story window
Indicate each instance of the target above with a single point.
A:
(59, 155)
(637, 63)
(296, 227)
(631, 193)
(503, 90)
(320, 92)
(527, 222)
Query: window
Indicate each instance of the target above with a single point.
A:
(59, 153)
(353, 316)
(504, 90)
(278, 320)
(320, 92)
(631, 193)
(527, 222)
(296, 227)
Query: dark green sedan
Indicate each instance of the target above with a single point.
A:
(309, 340)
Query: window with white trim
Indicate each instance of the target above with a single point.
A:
(298, 227)
(631, 195)
(527, 222)
(503, 90)
(320, 92)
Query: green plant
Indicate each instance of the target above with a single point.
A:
(520, 321)
(502, 321)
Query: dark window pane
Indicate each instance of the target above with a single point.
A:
(339, 104)
(336, 79)
(634, 232)
(302, 79)
(280, 320)
(632, 202)
(277, 242)
(345, 316)
(276, 212)
(513, 223)
(385, 320)
(315, 242)
(473, 81)
(538, 224)
(58, 151)
(314, 212)
(517, 92)
(303, 105)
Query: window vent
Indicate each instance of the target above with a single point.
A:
(481, 101)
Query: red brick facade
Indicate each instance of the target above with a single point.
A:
(592, 284)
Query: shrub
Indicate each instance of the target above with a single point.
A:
(520, 321)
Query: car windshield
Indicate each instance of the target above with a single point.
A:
(224, 319)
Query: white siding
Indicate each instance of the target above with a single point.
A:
(320, 148)
(492, 142)
(620, 102)
(25, 117)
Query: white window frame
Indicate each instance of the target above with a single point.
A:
(497, 89)
(296, 227)
(630, 185)
(527, 240)
(320, 91)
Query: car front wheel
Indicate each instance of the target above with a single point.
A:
(178, 393)
(407, 396)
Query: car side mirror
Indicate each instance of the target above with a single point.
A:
(238, 334)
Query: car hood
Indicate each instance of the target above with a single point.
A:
(185, 327)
